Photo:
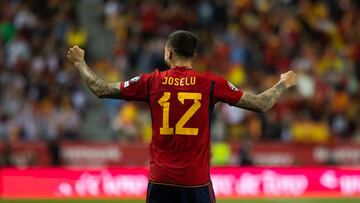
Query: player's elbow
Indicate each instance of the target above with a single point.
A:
(262, 107)
(98, 92)
(266, 108)
(100, 96)
(263, 110)
(260, 110)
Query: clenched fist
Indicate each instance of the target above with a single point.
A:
(75, 55)
(289, 78)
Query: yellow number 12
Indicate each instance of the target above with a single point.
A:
(179, 127)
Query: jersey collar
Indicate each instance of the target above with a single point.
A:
(182, 67)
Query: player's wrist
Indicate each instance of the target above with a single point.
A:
(79, 63)
(283, 83)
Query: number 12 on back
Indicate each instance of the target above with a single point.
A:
(179, 127)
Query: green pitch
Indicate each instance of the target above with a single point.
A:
(218, 201)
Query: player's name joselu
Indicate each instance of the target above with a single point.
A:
(187, 81)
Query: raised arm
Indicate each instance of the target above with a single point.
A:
(98, 86)
(264, 101)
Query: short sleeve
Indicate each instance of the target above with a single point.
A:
(226, 92)
(135, 89)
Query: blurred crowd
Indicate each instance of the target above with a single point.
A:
(253, 42)
(41, 97)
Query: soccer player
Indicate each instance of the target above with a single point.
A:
(181, 102)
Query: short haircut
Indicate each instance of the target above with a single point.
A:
(184, 43)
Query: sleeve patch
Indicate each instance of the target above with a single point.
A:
(133, 80)
(232, 86)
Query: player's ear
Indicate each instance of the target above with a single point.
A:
(194, 55)
(171, 53)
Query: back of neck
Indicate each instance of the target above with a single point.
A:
(184, 63)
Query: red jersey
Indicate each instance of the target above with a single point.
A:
(181, 101)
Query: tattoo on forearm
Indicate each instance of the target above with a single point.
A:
(263, 101)
(99, 87)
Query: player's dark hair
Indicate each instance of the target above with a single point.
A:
(184, 43)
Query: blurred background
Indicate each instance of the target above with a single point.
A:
(50, 122)
(48, 117)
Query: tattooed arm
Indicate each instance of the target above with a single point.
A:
(264, 101)
(99, 87)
